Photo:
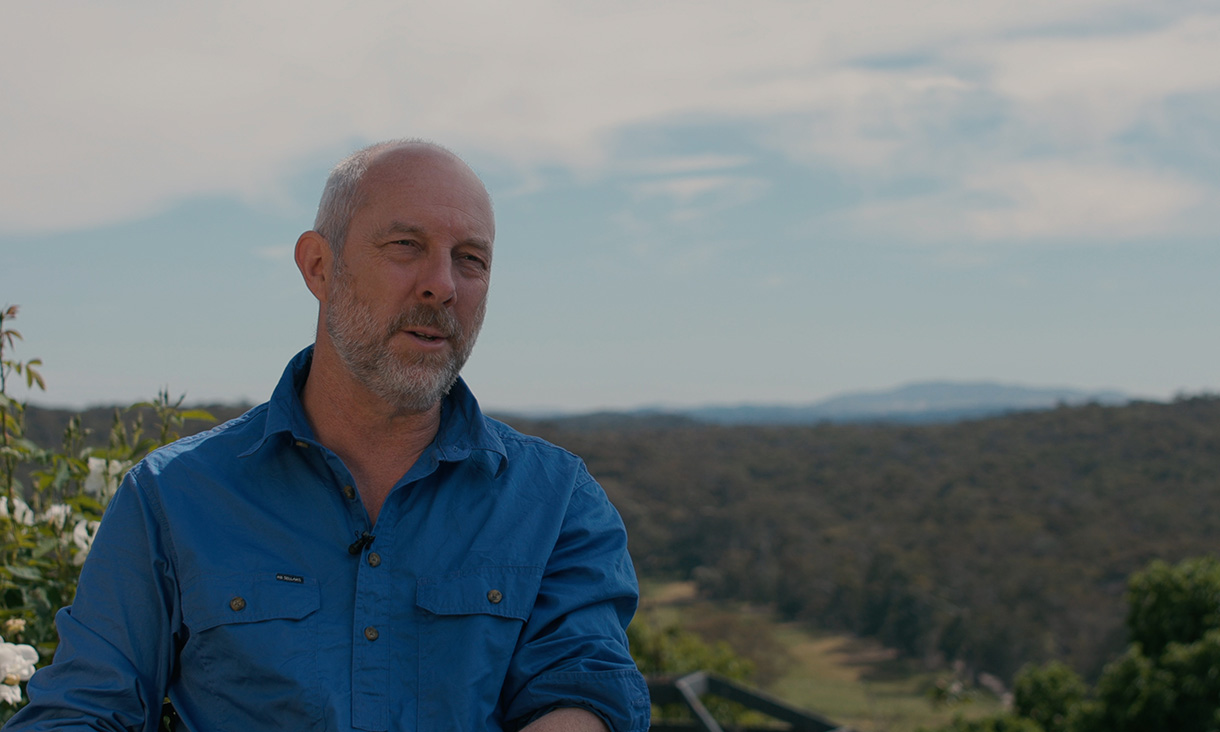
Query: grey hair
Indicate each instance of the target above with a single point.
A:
(342, 197)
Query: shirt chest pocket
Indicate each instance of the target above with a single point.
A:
(504, 592)
(471, 623)
(253, 644)
(249, 598)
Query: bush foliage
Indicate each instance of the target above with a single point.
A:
(51, 501)
(1167, 679)
(997, 542)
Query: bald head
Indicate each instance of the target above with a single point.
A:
(345, 190)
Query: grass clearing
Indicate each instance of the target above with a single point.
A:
(852, 681)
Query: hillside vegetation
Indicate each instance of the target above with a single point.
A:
(994, 542)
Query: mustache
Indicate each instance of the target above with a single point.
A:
(425, 316)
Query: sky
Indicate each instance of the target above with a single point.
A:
(698, 202)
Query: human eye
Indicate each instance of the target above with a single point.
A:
(473, 260)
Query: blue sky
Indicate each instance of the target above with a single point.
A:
(697, 202)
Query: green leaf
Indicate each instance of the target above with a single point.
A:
(143, 447)
(24, 572)
(46, 545)
(30, 446)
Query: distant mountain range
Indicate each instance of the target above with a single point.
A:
(923, 402)
(918, 403)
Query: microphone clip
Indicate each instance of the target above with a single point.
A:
(362, 541)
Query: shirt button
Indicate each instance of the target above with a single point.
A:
(302, 443)
(237, 604)
(374, 559)
(495, 596)
(349, 492)
(371, 633)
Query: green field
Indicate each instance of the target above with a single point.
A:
(851, 681)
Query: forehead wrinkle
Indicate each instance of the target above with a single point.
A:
(399, 227)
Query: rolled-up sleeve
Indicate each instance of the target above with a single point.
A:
(116, 640)
(573, 650)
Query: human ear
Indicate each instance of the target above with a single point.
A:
(315, 260)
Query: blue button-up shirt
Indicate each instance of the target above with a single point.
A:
(229, 573)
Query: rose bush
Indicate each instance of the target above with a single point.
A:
(51, 503)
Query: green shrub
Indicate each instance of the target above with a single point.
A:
(51, 502)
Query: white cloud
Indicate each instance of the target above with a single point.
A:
(132, 105)
(687, 189)
(1042, 200)
(680, 164)
(1090, 89)
(1063, 199)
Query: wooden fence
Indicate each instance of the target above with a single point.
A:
(688, 689)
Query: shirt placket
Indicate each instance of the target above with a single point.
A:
(372, 640)
(370, 627)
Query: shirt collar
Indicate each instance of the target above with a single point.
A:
(464, 432)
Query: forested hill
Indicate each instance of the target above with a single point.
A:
(996, 541)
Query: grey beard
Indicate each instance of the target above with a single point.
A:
(414, 384)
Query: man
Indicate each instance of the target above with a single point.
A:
(366, 551)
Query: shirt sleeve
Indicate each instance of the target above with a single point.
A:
(117, 639)
(573, 649)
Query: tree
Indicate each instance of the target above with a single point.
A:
(1047, 694)
(668, 650)
(1173, 604)
(1167, 679)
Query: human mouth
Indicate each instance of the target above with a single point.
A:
(427, 336)
(427, 327)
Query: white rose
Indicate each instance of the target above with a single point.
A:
(57, 515)
(16, 665)
(22, 513)
(82, 536)
(104, 476)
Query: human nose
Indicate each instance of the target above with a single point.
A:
(436, 284)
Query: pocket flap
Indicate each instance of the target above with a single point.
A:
(249, 598)
(505, 591)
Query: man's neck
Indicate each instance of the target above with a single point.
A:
(377, 443)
